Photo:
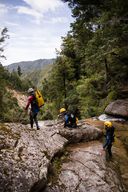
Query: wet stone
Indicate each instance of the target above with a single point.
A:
(28, 155)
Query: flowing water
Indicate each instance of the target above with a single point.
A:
(120, 146)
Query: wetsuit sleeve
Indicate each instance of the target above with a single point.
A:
(30, 99)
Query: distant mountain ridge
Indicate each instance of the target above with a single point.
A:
(29, 66)
(34, 71)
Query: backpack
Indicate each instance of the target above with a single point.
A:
(39, 98)
(71, 120)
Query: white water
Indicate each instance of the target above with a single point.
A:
(105, 117)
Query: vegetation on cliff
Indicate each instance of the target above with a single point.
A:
(91, 69)
(8, 104)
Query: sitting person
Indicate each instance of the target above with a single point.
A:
(70, 120)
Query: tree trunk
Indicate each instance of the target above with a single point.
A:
(106, 71)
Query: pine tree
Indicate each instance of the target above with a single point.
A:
(19, 70)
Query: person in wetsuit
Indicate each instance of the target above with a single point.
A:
(109, 135)
(34, 108)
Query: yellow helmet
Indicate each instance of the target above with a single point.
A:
(108, 123)
(62, 110)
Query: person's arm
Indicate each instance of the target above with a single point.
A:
(30, 99)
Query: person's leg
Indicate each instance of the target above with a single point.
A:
(31, 119)
(66, 120)
(109, 150)
(74, 125)
(36, 121)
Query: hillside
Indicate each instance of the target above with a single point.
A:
(33, 71)
(27, 66)
(36, 76)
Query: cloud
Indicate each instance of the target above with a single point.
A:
(29, 11)
(3, 10)
(59, 20)
(29, 41)
(44, 5)
(28, 54)
(8, 23)
(38, 8)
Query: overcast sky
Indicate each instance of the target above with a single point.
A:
(35, 28)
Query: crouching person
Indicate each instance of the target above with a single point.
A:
(70, 119)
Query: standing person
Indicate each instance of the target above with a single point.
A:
(109, 137)
(34, 108)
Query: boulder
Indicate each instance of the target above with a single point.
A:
(83, 134)
(118, 108)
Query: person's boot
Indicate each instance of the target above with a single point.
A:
(31, 122)
(36, 122)
(31, 125)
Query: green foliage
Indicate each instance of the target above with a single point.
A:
(92, 65)
(3, 37)
(19, 70)
(90, 91)
(9, 109)
(47, 112)
(37, 76)
(47, 115)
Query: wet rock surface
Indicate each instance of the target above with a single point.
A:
(45, 160)
(25, 154)
(86, 170)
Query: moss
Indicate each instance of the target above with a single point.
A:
(56, 165)
(5, 129)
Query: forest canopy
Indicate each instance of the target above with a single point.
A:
(91, 69)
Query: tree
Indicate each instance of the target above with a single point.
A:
(3, 37)
(19, 70)
(92, 64)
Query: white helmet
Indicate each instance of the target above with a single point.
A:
(30, 90)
